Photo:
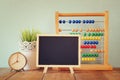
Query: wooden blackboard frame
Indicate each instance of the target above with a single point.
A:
(55, 35)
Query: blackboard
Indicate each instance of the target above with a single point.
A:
(58, 50)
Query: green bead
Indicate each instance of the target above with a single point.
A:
(89, 34)
(97, 55)
(73, 33)
(99, 34)
(89, 55)
(102, 34)
(85, 34)
(86, 55)
(83, 55)
(93, 34)
(93, 55)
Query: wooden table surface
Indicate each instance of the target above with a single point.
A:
(6, 74)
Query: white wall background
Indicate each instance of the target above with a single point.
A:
(16, 15)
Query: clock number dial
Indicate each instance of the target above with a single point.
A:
(17, 61)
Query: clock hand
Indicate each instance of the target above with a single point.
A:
(17, 57)
(14, 62)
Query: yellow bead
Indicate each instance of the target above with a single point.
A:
(96, 38)
(94, 59)
(83, 59)
(99, 38)
(90, 59)
(82, 38)
(93, 38)
(88, 38)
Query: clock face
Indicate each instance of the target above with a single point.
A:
(17, 61)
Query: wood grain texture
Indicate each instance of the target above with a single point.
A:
(4, 70)
(61, 75)
(90, 75)
(5, 73)
(27, 75)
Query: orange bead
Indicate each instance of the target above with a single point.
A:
(73, 30)
(80, 30)
(91, 50)
(102, 30)
(95, 29)
(98, 29)
(95, 50)
(76, 30)
(87, 30)
(98, 51)
(102, 51)
(92, 29)
(81, 50)
(59, 30)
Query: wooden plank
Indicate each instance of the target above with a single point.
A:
(59, 76)
(90, 75)
(4, 70)
(112, 75)
(7, 75)
(27, 75)
(94, 67)
(106, 18)
(57, 22)
(80, 14)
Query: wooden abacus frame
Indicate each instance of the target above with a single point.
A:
(105, 65)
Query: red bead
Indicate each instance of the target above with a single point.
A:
(94, 46)
(88, 46)
(85, 46)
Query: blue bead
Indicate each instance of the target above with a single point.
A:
(97, 42)
(70, 21)
(85, 42)
(94, 42)
(87, 21)
(79, 21)
(91, 42)
(83, 21)
(74, 21)
(64, 21)
(92, 21)
(60, 21)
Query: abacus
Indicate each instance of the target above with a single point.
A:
(93, 28)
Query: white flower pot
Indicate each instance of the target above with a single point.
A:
(29, 50)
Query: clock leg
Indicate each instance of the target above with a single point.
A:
(11, 70)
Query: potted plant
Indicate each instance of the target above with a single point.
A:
(28, 47)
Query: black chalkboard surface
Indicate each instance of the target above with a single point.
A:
(58, 50)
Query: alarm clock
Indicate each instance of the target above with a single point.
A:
(17, 61)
